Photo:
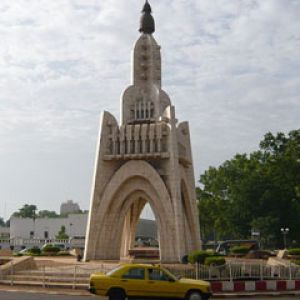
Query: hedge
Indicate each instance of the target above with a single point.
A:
(239, 250)
(63, 253)
(51, 249)
(214, 260)
(295, 251)
(199, 256)
(34, 251)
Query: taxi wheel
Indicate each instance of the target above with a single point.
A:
(194, 295)
(116, 294)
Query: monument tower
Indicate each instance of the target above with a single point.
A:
(146, 158)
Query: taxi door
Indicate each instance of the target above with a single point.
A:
(160, 284)
(133, 281)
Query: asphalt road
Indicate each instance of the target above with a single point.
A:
(31, 296)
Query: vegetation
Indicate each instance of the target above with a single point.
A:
(34, 251)
(214, 260)
(199, 256)
(62, 234)
(27, 211)
(50, 249)
(296, 262)
(295, 251)
(258, 191)
(30, 211)
(47, 214)
(2, 223)
(239, 250)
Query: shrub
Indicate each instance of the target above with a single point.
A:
(185, 259)
(214, 260)
(295, 251)
(239, 250)
(297, 262)
(63, 253)
(34, 251)
(198, 256)
(51, 249)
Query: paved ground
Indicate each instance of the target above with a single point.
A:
(30, 296)
(17, 295)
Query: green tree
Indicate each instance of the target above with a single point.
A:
(27, 211)
(47, 213)
(260, 190)
(62, 234)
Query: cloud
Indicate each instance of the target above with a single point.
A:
(230, 67)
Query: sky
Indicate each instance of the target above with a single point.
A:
(231, 68)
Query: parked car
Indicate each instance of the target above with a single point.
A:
(141, 280)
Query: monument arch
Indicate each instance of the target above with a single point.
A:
(146, 158)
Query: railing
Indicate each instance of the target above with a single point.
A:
(68, 276)
(237, 271)
(17, 243)
(77, 276)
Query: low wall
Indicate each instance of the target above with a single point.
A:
(255, 286)
(18, 264)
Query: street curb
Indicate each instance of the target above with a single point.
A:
(48, 291)
(254, 295)
(256, 287)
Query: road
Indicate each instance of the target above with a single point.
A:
(30, 296)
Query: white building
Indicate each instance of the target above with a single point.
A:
(75, 224)
(69, 207)
(4, 232)
(47, 228)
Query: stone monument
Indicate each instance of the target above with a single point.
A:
(146, 158)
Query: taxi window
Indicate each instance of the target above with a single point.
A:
(134, 273)
(156, 274)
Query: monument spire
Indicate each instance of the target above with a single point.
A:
(147, 25)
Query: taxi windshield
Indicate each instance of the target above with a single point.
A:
(113, 271)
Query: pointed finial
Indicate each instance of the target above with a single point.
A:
(147, 21)
(147, 7)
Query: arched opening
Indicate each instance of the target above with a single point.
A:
(140, 238)
(131, 187)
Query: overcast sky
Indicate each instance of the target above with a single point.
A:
(231, 68)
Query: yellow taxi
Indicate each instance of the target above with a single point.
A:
(141, 280)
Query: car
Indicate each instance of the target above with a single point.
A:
(149, 281)
(23, 251)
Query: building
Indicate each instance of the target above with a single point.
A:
(69, 207)
(4, 232)
(41, 229)
(47, 228)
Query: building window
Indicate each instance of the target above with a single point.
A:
(46, 234)
(31, 234)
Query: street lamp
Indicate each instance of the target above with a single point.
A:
(284, 231)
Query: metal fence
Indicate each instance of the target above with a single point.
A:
(67, 276)
(237, 271)
(77, 276)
